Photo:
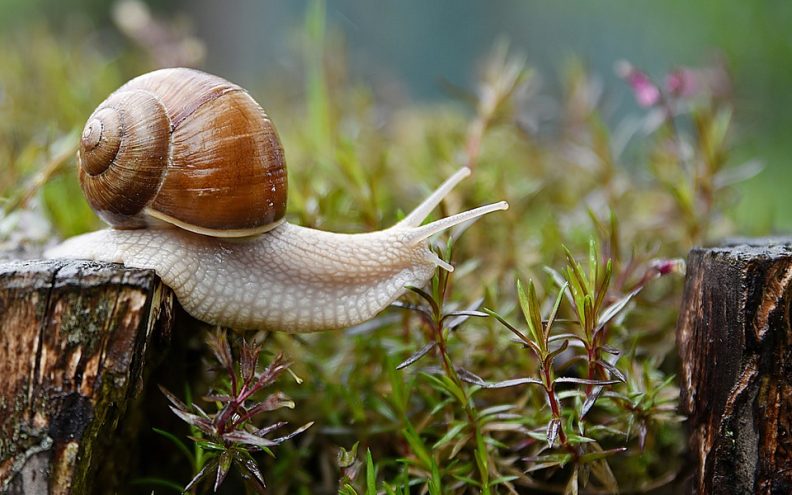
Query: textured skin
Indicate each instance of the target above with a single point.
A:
(291, 279)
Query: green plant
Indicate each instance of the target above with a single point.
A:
(566, 426)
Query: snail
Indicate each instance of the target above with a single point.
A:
(189, 172)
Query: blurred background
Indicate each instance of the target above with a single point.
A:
(406, 52)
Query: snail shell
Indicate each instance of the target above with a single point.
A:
(187, 148)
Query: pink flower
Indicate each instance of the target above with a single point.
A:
(647, 94)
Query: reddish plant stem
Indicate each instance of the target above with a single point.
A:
(244, 394)
(234, 383)
(223, 419)
(591, 356)
(555, 406)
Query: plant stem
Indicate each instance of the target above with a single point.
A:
(465, 402)
(555, 406)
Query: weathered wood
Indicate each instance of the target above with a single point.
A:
(735, 342)
(75, 340)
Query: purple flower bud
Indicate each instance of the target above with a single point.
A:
(686, 82)
(682, 82)
(664, 267)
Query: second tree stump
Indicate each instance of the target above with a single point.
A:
(735, 341)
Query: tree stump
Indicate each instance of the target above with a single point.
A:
(76, 341)
(735, 342)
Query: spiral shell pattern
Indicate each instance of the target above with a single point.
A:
(188, 148)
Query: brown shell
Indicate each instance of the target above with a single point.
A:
(188, 148)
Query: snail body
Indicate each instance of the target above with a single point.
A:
(272, 275)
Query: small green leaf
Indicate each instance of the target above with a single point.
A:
(578, 439)
(347, 489)
(450, 435)
(602, 289)
(601, 454)
(575, 273)
(417, 446)
(547, 461)
(548, 360)
(371, 475)
(345, 458)
(208, 445)
(593, 266)
(554, 312)
(482, 462)
(525, 305)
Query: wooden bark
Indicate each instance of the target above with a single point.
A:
(735, 342)
(76, 339)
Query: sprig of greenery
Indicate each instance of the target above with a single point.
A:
(229, 435)
(573, 446)
(441, 324)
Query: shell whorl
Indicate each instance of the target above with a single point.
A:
(188, 148)
(123, 155)
(100, 141)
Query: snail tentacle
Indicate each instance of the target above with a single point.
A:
(419, 214)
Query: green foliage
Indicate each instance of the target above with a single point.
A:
(434, 396)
